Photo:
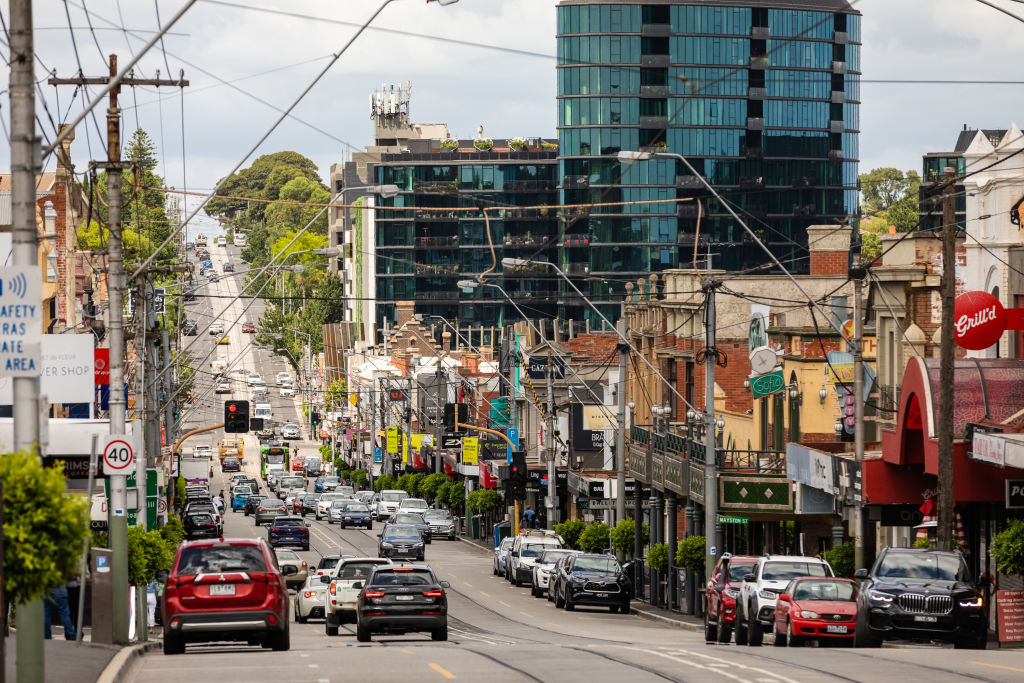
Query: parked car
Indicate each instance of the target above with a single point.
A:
(225, 590)
(501, 554)
(526, 548)
(400, 600)
(346, 583)
(413, 519)
(269, 509)
(755, 611)
(816, 609)
(401, 540)
(290, 530)
(190, 328)
(248, 327)
(442, 524)
(543, 569)
(290, 557)
(200, 525)
(920, 593)
(309, 600)
(721, 593)
(230, 465)
(590, 579)
(356, 514)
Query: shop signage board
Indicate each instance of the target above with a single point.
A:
(764, 385)
(988, 448)
(1015, 494)
(979, 320)
(763, 493)
(1010, 616)
(392, 440)
(470, 450)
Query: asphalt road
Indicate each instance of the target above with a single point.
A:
(500, 633)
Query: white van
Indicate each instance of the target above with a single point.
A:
(240, 239)
(262, 410)
(217, 366)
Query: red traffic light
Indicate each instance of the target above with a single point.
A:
(232, 407)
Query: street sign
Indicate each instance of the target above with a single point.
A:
(21, 321)
(118, 453)
(160, 300)
(377, 455)
(470, 450)
(762, 385)
(392, 440)
(513, 436)
(1014, 494)
(733, 519)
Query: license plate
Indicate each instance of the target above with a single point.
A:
(404, 597)
(602, 595)
(222, 589)
(927, 620)
(835, 628)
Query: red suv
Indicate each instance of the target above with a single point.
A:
(221, 590)
(721, 591)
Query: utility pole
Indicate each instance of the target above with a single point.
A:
(551, 446)
(117, 521)
(407, 439)
(712, 529)
(440, 385)
(946, 362)
(859, 559)
(620, 432)
(25, 252)
(168, 381)
(143, 315)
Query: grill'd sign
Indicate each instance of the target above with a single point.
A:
(979, 320)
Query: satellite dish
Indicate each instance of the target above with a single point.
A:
(763, 360)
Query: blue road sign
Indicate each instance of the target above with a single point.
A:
(377, 457)
(513, 435)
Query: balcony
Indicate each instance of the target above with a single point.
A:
(528, 269)
(656, 30)
(838, 97)
(662, 61)
(575, 182)
(755, 123)
(434, 296)
(838, 67)
(760, 32)
(527, 240)
(576, 239)
(755, 153)
(442, 269)
(437, 242)
(687, 210)
(439, 215)
(659, 122)
(654, 91)
(757, 93)
(752, 183)
(577, 269)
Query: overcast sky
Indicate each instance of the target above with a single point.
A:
(274, 57)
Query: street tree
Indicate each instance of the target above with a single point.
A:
(883, 188)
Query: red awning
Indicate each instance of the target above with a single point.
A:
(486, 480)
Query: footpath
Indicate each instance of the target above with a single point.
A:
(66, 661)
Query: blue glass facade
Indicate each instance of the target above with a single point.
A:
(764, 101)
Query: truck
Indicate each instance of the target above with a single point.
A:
(231, 447)
(196, 471)
(201, 240)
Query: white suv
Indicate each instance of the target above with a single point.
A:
(527, 547)
(755, 607)
(387, 504)
(323, 504)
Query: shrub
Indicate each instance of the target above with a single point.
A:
(456, 495)
(570, 530)
(385, 481)
(472, 502)
(490, 501)
(431, 485)
(325, 452)
(657, 557)
(359, 478)
(841, 559)
(174, 531)
(690, 554)
(148, 553)
(45, 531)
(517, 143)
(622, 535)
(922, 543)
(594, 538)
(483, 144)
(179, 492)
(449, 144)
(1008, 549)
(410, 483)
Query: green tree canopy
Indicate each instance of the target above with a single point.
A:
(300, 189)
(882, 188)
(262, 180)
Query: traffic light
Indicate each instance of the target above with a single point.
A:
(518, 476)
(455, 412)
(314, 418)
(236, 417)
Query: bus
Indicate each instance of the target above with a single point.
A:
(274, 458)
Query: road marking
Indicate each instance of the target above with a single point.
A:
(468, 583)
(738, 666)
(486, 595)
(998, 666)
(452, 575)
(502, 602)
(688, 663)
(406, 651)
(441, 670)
(527, 614)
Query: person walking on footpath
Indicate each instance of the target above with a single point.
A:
(151, 589)
(59, 599)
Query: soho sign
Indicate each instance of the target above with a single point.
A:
(980, 320)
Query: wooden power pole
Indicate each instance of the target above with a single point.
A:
(946, 363)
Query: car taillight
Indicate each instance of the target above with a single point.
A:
(432, 594)
(172, 583)
(304, 564)
(308, 594)
(374, 594)
(333, 589)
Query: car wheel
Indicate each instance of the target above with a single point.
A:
(781, 638)
(710, 629)
(559, 603)
(331, 629)
(515, 580)
(534, 592)
(794, 641)
(439, 633)
(306, 547)
(281, 642)
(362, 634)
(173, 645)
(299, 619)
(341, 524)
(755, 634)
(569, 605)
(862, 636)
(978, 642)
(741, 631)
(724, 633)
(614, 609)
(494, 570)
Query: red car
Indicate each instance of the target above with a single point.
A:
(816, 608)
(298, 463)
(225, 590)
(248, 327)
(721, 591)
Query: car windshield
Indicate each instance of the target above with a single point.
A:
(314, 583)
(274, 458)
(403, 577)
(289, 555)
(506, 543)
(785, 571)
(552, 556)
(413, 504)
(408, 519)
(288, 522)
(339, 504)
(347, 490)
(401, 532)
(532, 549)
(291, 482)
(437, 515)
(923, 566)
(201, 518)
(356, 507)
(330, 480)
(355, 571)
(392, 497)
(333, 496)
(839, 591)
(272, 505)
(739, 570)
(221, 558)
(328, 562)
(605, 565)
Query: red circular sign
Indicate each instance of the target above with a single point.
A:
(978, 319)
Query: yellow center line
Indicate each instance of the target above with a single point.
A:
(452, 575)
(502, 602)
(441, 670)
(551, 623)
(468, 583)
(527, 614)
(486, 595)
(407, 651)
(998, 666)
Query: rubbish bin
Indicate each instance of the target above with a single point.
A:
(501, 530)
(474, 527)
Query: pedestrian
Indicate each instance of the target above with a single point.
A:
(542, 520)
(74, 586)
(151, 589)
(529, 516)
(59, 599)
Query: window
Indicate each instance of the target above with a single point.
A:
(800, 23)
(718, 50)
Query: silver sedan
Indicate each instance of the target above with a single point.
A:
(500, 553)
(311, 599)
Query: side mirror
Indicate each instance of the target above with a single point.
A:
(860, 574)
(162, 575)
(627, 567)
(324, 578)
(380, 535)
(749, 578)
(445, 584)
(357, 585)
(785, 598)
(289, 570)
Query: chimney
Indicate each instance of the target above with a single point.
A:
(404, 312)
(446, 342)
(470, 362)
(830, 249)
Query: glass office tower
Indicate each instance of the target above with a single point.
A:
(761, 97)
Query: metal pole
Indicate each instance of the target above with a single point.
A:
(85, 554)
(552, 510)
(117, 521)
(168, 382)
(946, 363)
(440, 384)
(712, 530)
(408, 416)
(670, 539)
(25, 252)
(859, 559)
(373, 430)
(142, 317)
(620, 433)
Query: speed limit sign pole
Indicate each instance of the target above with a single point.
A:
(118, 458)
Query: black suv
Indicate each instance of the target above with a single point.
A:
(597, 580)
(918, 593)
(400, 599)
(190, 328)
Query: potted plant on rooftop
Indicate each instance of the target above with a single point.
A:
(483, 144)
(517, 144)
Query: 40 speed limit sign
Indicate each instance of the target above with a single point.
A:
(119, 453)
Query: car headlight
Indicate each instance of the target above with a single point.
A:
(767, 594)
(806, 614)
(386, 545)
(577, 579)
(880, 597)
(971, 602)
(731, 593)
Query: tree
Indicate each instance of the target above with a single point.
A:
(1008, 549)
(883, 188)
(904, 215)
(840, 558)
(148, 553)
(383, 483)
(45, 531)
(623, 533)
(431, 484)
(690, 554)
(870, 246)
(359, 478)
(657, 557)
(570, 531)
(595, 538)
(262, 180)
(455, 495)
(300, 190)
